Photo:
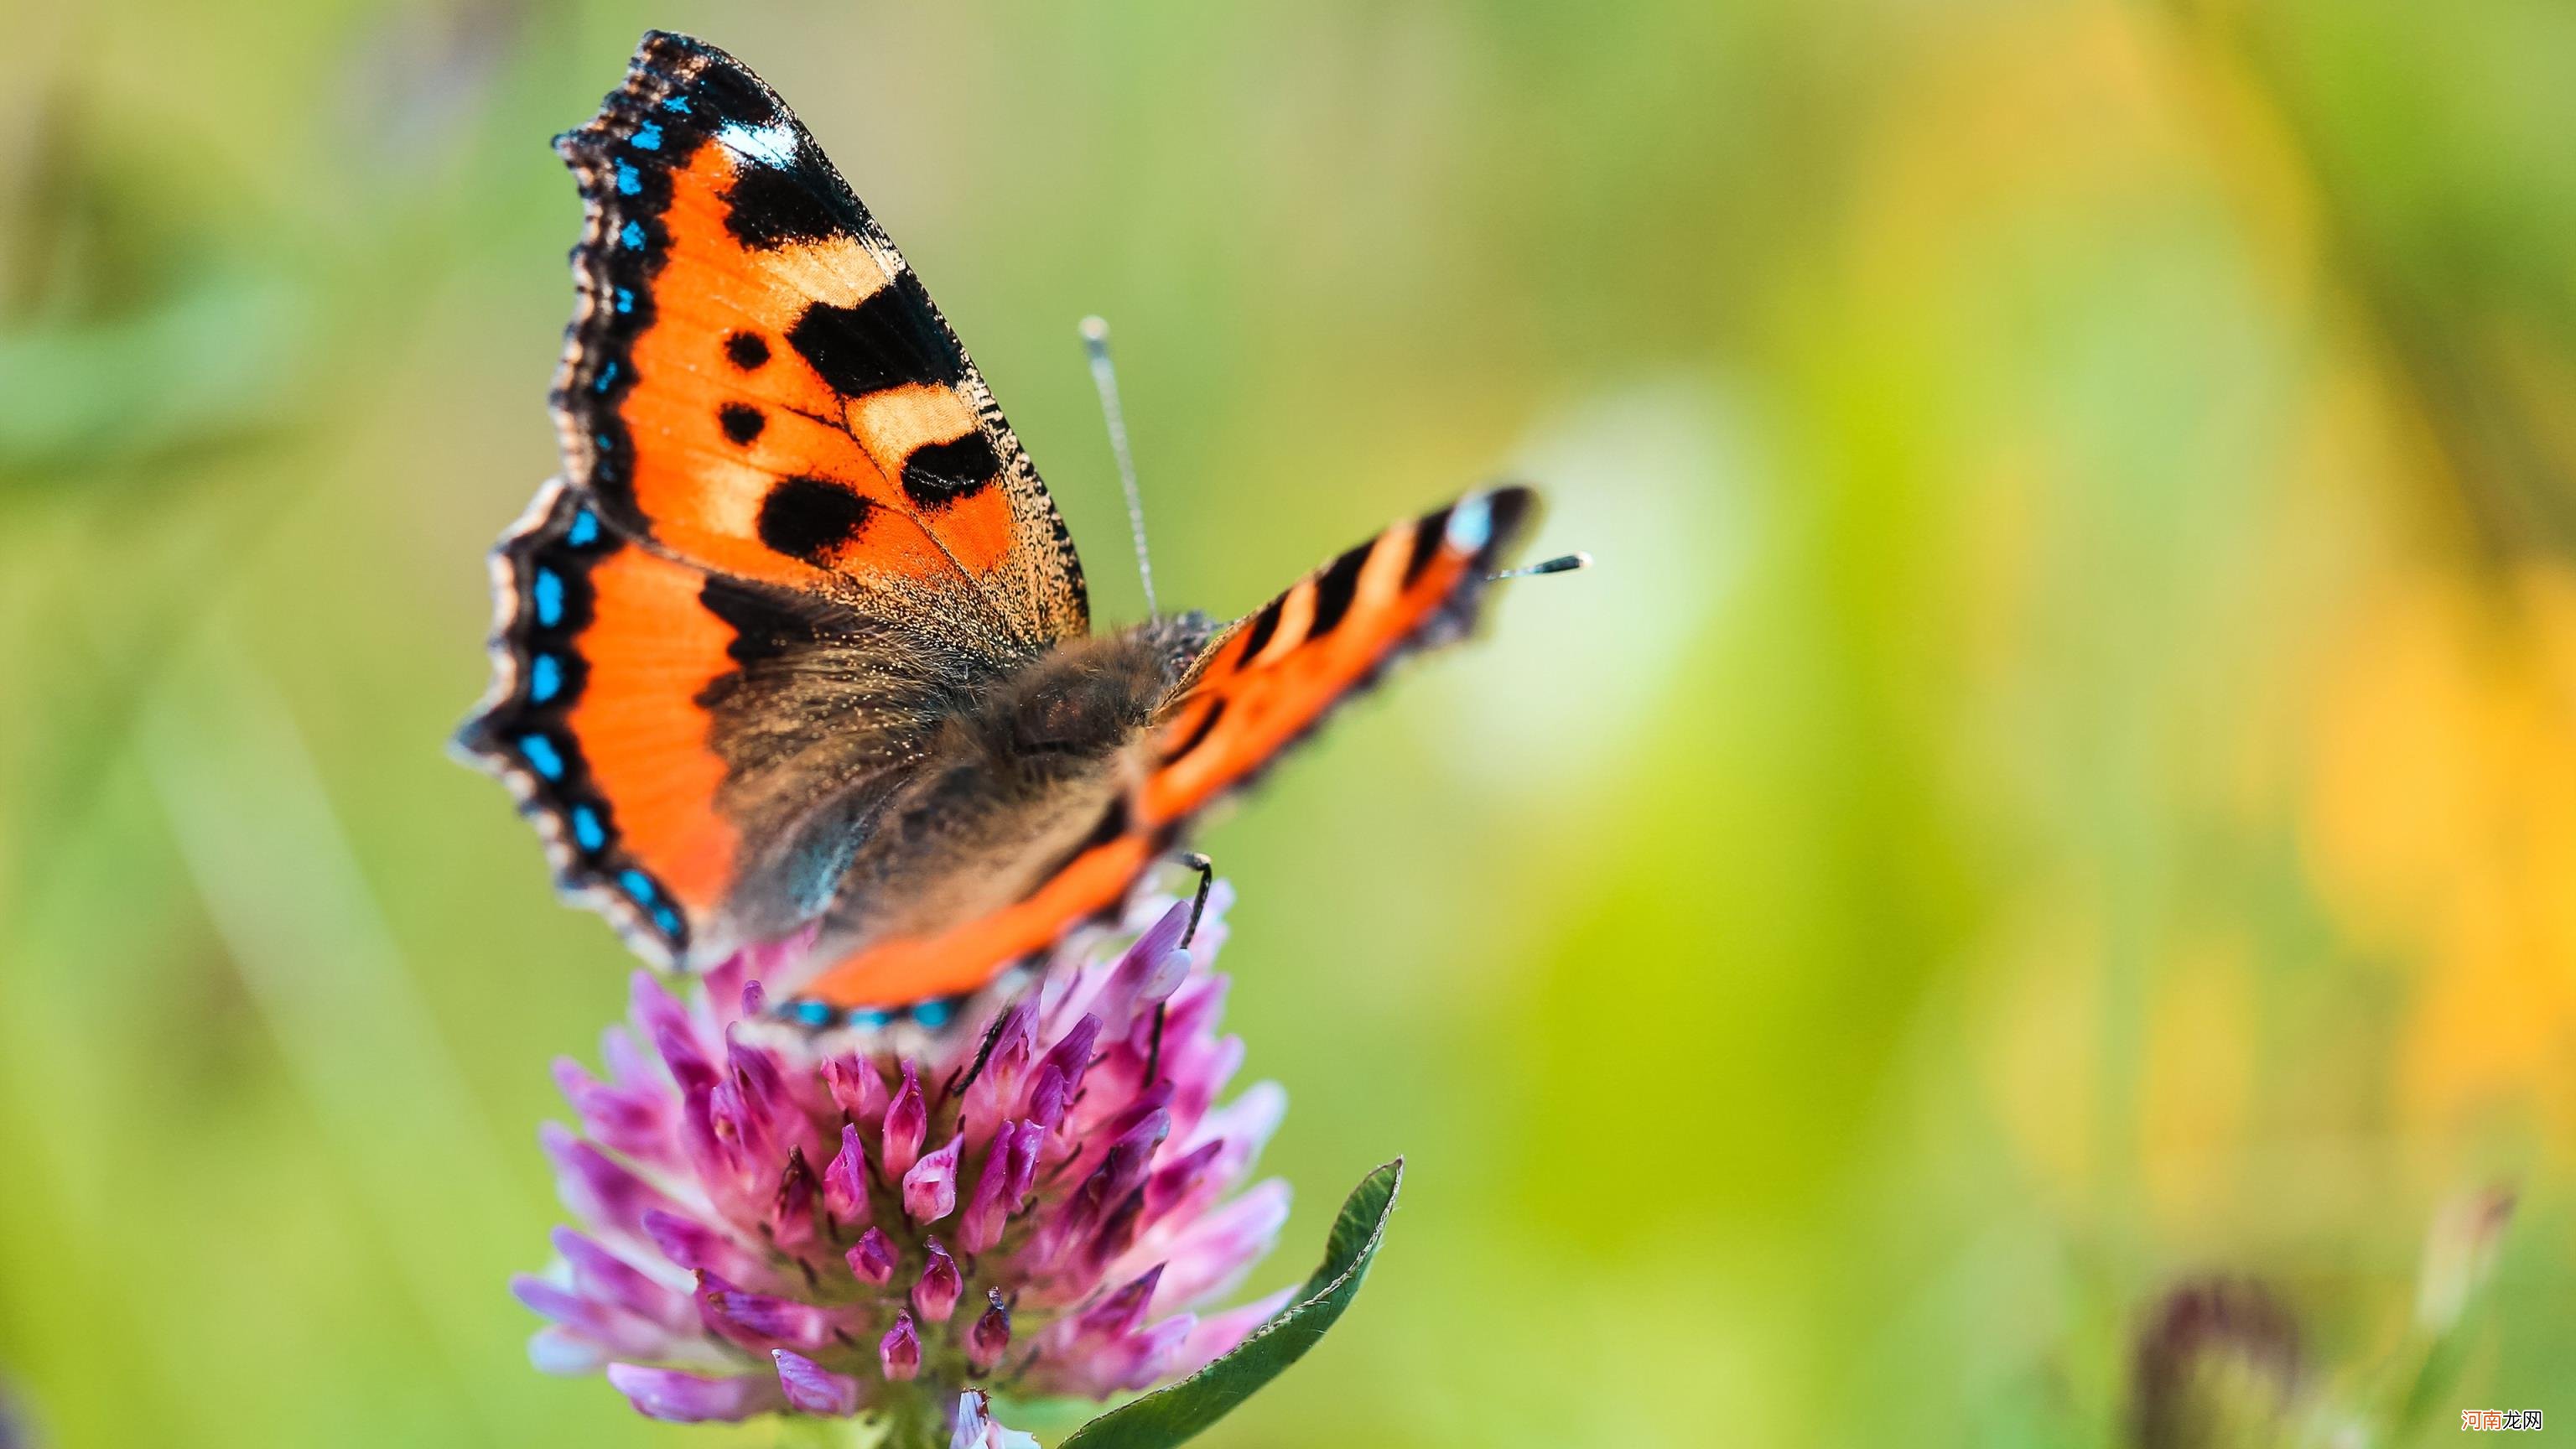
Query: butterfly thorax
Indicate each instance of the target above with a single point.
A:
(1022, 776)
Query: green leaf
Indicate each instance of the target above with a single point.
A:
(1171, 1415)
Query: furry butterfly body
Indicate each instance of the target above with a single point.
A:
(799, 644)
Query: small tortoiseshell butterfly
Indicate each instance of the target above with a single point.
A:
(799, 641)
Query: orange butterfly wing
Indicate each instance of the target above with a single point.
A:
(1274, 675)
(772, 442)
(1260, 687)
(595, 639)
(756, 382)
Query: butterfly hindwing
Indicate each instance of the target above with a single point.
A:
(1258, 688)
(598, 647)
(756, 382)
(1273, 676)
(692, 747)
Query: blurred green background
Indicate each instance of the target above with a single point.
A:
(2064, 779)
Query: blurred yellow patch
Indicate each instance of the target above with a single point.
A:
(2441, 830)
(2041, 1066)
(2199, 1078)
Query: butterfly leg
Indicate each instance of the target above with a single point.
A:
(1198, 907)
(983, 1054)
(1198, 902)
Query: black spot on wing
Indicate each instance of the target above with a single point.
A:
(742, 422)
(890, 340)
(810, 518)
(1335, 587)
(1428, 530)
(1264, 624)
(938, 474)
(768, 207)
(746, 350)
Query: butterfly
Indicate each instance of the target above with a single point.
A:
(799, 645)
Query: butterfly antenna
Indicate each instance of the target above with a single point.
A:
(1561, 564)
(1104, 376)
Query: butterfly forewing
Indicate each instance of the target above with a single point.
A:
(755, 380)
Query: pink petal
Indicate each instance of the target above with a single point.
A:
(813, 1389)
(691, 1244)
(987, 1209)
(563, 1352)
(989, 1097)
(899, 1352)
(1209, 1254)
(597, 1188)
(1059, 1073)
(634, 1122)
(1216, 1335)
(930, 1188)
(845, 1181)
(907, 1121)
(615, 1331)
(871, 1258)
(856, 1088)
(935, 1296)
(599, 1273)
(766, 1321)
(668, 1026)
(682, 1398)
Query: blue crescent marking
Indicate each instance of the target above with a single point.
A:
(678, 105)
(638, 884)
(587, 829)
(625, 300)
(585, 527)
(648, 137)
(548, 593)
(542, 756)
(809, 1012)
(631, 236)
(867, 1018)
(931, 1014)
(545, 676)
(1471, 523)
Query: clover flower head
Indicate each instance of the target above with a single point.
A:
(1038, 1203)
